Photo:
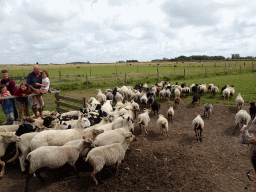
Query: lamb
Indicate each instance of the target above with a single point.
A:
(214, 90)
(58, 137)
(226, 92)
(177, 93)
(196, 98)
(109, 96)
(125, 92)
(177, 101)
(170, 113)
(202, 88)
(5, 140)
(100, 96)
(24, 146)
(162, 125)
(54, 157)
(115, 136)
(210, 87)
(252, 109)
(208, 109)
(155, 106)
(239, 101)
(119, 104)
(136, 107)
(241, 117)
(232, 90)
(90, 135)
(198, 125)
(143, 120)
(98, 157)
(93, 102)
(162, 93)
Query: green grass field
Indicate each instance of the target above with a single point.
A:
(243, 81)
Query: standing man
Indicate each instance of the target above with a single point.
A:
(33, 78)
(10, 85)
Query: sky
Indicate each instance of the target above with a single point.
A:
(103, 31)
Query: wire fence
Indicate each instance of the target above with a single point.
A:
(126, 73)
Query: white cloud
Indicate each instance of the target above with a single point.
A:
(108, 30)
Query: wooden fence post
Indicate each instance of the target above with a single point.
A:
(224, 71)
(84, 102)
(244, 63)
(90, 71)
(27, 107)
(60, 75)
(252, 68)
(125, 79)
(214, 65)
(86, 81)
(116, 70)
(202, 65)
(184, 73)
(158, 74)
(57, 99)
(240, 68)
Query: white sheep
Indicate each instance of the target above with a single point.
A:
(210, 86)
(119, 97)
(89, 135)
(198, 125)
(162, 125)
(143, 120)
(177, 92)
(54, 157)
(107, 106)
(100, 96)
(208, 108)
(202, 88)
(232, 90)
(93, 102)
(241, 117)
(144, 99)
(119, 104)
(170, 113)
(24, 146)
(115, 136)
(214, 90)
(239, 101)
(125, 91)
(105, 120)
(98, 157)
(226, 92)
(162, 93)
(9, 128)
(59, 137)
(5, 140)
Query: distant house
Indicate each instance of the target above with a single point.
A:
(235, 56)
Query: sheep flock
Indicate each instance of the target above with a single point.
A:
(101, 133)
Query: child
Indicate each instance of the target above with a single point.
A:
(23, 91)
(44, 88)
(7, 105)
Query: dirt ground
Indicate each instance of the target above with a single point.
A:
(160, 163)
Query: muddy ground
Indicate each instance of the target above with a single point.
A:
(160, 163)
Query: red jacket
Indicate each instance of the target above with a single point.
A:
(19, 92)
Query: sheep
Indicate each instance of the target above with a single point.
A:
(144, 99)
(208, 109)
(54, 157)
(241, 117)
(105, 120)
(136, 107)
(162, 93)
(232, 90)
(114, 136)
(239, 101)
(155, 106)
(107, 106)
(252, 109)
(202, 88)
(93, 102)
(162, 125)
(109, 96)
(196, 98)
(252, 127)
(5, 140)
(177, 101)
(168, 93)
(245, 137)
(143, 120)
(214, 90)
(98, 157)
(119, 104)
(177, 93)
(209, 87)
(59, 137)
(24, 146)
(100, 96)
(170, 113)
(226, 92)
(9, 128)
(125, 91)
(91, 135)
(118, 96)
(191, 86)
(198, 125)
(70, 113)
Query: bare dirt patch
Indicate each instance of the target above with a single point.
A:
(160, 163)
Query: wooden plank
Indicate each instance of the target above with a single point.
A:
(69, 99)
(67, 105)
(60, 110)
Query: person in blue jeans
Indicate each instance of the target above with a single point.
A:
(7, 104)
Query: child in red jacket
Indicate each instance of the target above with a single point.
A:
(23, 91)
